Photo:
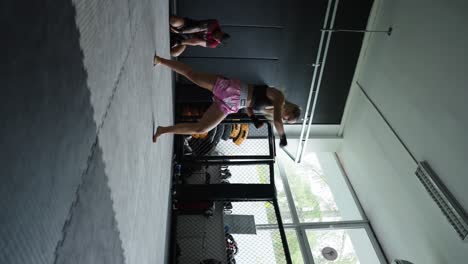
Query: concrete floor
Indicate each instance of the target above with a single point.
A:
(81, 181)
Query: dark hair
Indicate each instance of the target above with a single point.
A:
(225, 37)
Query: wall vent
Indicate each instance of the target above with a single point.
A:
(444, 199)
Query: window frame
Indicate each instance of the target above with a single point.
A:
(301, 228)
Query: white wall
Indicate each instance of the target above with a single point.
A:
(417, 78)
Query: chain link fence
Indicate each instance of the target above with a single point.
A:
(230, 140)
(216, 173)
(236, 232)
(225, 208)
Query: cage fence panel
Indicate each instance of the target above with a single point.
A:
(201, 237)
(223, 173)
(236, 232)
(230, 139)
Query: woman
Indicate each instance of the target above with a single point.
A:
(229, 96)
(188, 32)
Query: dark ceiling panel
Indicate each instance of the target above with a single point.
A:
(247, 70)
(235, 12)
(341, 62)
(245, 42)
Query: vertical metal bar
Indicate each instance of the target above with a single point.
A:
(288, 192)
(282, 233)
(236, 157)
(311, 91)
(306, 254)
(225, 162)
(225, 192)
(272, 173)
(173, 237)
(303, 233)
(324, 61)
(389, 31)
(271, 142)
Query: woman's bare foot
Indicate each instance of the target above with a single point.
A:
(157, 134)
(156, 60)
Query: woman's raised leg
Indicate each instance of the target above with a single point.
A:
(210, 119)
(204, 80)
(177, 50)
(176, 22)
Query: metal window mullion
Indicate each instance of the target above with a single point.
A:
(303, 244)
(335, 225)
(282, 232)
(287, 190)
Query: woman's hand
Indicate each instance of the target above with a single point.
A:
(283, 141)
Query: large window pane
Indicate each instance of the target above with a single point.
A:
(319, 190)
(263, 248)
(344, 246)
(282, 198)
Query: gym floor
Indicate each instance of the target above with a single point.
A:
(81, 180)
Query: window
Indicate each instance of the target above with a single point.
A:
(322, 219)
(319, 191)
(319, 213)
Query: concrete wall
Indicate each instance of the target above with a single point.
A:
(417, 78)
(81, 180)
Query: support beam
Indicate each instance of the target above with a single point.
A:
(225, 192)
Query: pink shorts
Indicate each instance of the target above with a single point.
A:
(227, 95)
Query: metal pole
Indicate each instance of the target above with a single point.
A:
(319, 81)
(282, 233)
(311, 91)
(389, 31)
(226, 162)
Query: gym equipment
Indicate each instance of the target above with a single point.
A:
(244, 132)
(235, 130)
(227, 131)
(231, 248)
(212, 141)
(225, 174)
